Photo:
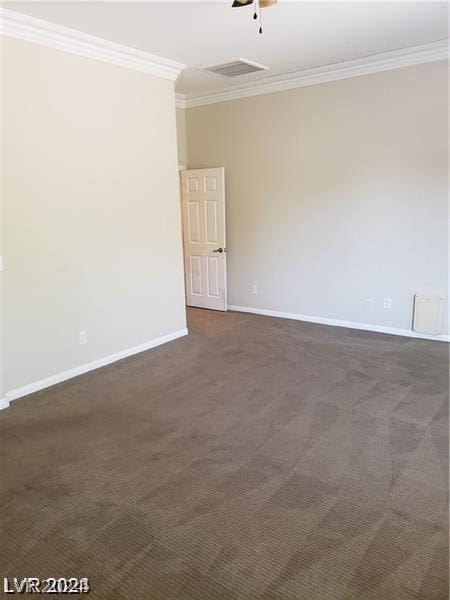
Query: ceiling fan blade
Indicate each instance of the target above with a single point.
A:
(267, 3)
(238, 3)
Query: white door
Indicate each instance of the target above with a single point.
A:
(203, 194)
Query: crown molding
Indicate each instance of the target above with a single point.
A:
(38, 31)
(180, 100)
(376, 63)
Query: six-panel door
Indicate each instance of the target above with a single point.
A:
(203, 197)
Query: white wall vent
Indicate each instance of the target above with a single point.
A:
(427, 313)
(241, 66)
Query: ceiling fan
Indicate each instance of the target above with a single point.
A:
(260, 3)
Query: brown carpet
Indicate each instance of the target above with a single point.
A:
(257, 458)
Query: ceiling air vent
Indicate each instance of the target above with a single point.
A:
(236, 68)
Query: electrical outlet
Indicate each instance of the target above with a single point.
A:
(254, 289)
(83, 337)
(368, 303)
(387, 303)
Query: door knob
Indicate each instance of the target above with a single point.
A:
(218, 250)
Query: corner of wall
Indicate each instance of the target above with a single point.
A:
(181, 137)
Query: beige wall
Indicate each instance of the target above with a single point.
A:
(91, 220)
(336, 193)
(181, 137)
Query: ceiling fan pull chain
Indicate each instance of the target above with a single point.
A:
(260, 18)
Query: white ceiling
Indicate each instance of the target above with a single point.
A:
(297, 35)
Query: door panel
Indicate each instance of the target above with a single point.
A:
(194, 223)
(212, 276)
(203, 198)
(196, 275)
(211, 221)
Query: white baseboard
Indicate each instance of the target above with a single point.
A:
(340, 323)
(4, 403)
(101, 362)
